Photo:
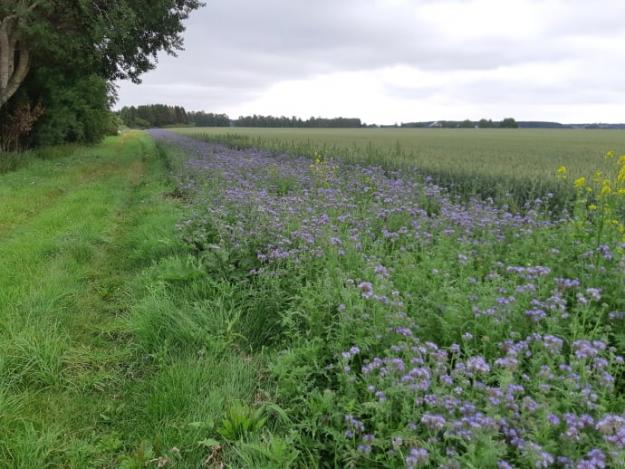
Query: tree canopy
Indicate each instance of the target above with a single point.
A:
(160, 115)
(81, 41)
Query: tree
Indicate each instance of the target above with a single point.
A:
(111, 39)
(509, 123)
(12, 46)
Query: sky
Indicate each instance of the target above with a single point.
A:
(389, 61)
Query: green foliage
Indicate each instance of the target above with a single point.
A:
(75, 113)
(154, 115)
(10, 161)
(204, 119)
(508, 123)
(122, 346)
(241, 421)
(270, 453)
(286, 122)
(78, 49)
(447, 295)
(117, 40)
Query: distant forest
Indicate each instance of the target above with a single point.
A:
(161, 115)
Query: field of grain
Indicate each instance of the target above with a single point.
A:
(501, 152)
(513, 166)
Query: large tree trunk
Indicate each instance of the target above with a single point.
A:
(12, 74)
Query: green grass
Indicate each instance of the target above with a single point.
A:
(511, 165)
(11, 161)
(111, 350)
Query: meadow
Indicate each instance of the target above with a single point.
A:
(170, 301)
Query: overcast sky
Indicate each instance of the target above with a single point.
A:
(389, 61)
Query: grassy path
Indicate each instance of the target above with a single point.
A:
(77, 236)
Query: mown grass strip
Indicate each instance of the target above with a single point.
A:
(88, 376)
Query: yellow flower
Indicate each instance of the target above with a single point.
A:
(562, 170)
(610, 154)
(592, 207)
(597, 176)
(580, 182)
(606, 189)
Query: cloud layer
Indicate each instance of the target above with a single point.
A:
(398, 60)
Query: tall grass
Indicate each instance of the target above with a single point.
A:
(11, 161)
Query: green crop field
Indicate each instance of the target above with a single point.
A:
(505, 152)
(515, 165)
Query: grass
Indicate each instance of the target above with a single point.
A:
(105, 355)
(511, 165)
(11, 161)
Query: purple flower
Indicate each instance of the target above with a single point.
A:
(417, 456)
(594, 293)
(433, 421)
(381, 271)
(364, 449)
(366, 288)
(478, 365)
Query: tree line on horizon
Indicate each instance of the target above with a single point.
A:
(161, 115)
(507, 123)
(59, 61)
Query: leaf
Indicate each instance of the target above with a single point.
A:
(208, 424)
(209, 443)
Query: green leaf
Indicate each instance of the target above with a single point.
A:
(209, 443)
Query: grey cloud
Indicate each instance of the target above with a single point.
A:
(236, 49)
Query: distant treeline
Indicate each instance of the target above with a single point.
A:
(317, 122)
(508, 123)
(161, 115)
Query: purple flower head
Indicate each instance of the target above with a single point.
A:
(478, 365)
(416, 456)
(381, 271)
(364, 449)
(433, 421)
(594, 293)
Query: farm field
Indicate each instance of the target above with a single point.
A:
(520, 152)
(486, 161)
(169, 301)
